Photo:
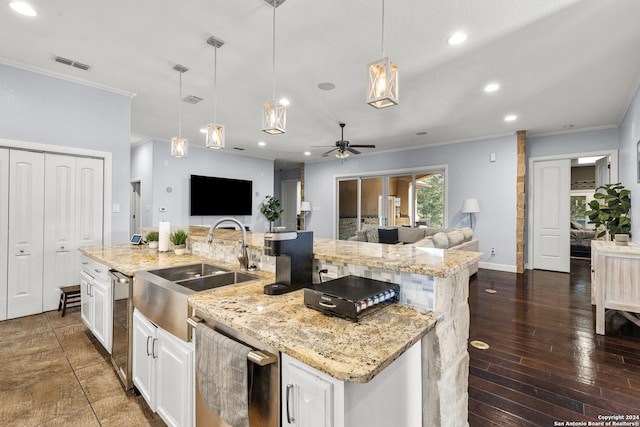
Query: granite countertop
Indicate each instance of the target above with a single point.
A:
(347, 351)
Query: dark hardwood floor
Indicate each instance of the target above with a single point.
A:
(545, 365)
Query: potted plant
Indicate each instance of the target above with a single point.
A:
(179, 240)
(613, 212)
(152, 239)
(271, 210)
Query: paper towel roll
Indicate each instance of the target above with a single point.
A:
(164, 230)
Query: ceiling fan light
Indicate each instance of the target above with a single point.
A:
(179, 147)
(382, 87)
(274, 118)
(342, 154)
(215, 136)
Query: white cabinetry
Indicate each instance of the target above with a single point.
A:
(4, 225)
(96, 300)
(311, 398)
(163, 371)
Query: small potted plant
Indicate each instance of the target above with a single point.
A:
(152, 239)
(612, 213)
(271, 210)
(179, 240)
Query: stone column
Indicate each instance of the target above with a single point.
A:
(445, 359)
(520, 199)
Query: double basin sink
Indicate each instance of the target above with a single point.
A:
(161, 294)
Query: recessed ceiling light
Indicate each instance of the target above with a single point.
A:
(203, 130)
(284, 101)
(510, 118)
(22, 8)
(262, 143)
(326, 86)
(457, 38)
(307, 153)
(491, 87)
(421, 133)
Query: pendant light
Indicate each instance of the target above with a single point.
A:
(382, 86)
(215, 131)
(274, 115)
(179, 145)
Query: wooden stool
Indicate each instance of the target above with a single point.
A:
(70, 295)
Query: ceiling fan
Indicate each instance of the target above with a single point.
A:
(343, 148)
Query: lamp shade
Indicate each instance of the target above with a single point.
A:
(470, 206)
(305, 206)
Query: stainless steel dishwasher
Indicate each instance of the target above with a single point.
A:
(122, 349)
(264, 399)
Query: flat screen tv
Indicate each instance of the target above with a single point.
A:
(220, 196)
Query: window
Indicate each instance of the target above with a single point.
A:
(579, 206)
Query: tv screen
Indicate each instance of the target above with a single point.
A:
(220, 196)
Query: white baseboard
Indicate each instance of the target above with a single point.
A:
(498, 267)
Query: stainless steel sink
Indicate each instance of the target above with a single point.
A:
(215, 281)
(191, 271)
(161, 294)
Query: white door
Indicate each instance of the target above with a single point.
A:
(4, 226)
(289, 204)
(135, 208)
(25, 260)
(60, 263)
(602, 171)
(89, 201)
(551, 214)
(144, 351)
(86, 303)
(175, 374)
(102, 301)
(312, 401)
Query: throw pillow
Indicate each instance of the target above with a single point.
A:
(372, 236)
(389, 236)
(427, 242)
(440, 240)
(575, 225)
(410, 235)
(455, 238)
(468, 233)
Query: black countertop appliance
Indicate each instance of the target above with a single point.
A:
(293, 251)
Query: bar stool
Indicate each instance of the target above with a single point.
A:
(70, 297)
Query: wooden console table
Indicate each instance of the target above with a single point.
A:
(615, 280)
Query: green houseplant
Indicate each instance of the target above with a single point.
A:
(152, 238)
(179, 240)
(271, 210)
(613, 212)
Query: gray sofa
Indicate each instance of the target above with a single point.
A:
(460, 239)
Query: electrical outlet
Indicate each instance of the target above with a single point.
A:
(493, 251)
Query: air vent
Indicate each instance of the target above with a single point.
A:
(71, 63)
(192, 99)
(238, 148)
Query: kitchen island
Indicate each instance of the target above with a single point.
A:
(352, 352)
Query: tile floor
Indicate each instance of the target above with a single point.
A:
(54, 373)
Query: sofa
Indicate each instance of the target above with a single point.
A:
(457, 238)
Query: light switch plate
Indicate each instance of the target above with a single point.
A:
(116, 208)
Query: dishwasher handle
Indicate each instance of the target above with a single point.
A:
(119, 277)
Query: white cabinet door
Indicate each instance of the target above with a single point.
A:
(307, 398)
(175, 380)
(4, 226)
(102, 302)
(86, 304)
(89, 201)
(144, 351)
(25, 258)
(60, 263)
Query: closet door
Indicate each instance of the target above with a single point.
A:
(25, 258)
(60, 261)
(4, 229)
(89, 201)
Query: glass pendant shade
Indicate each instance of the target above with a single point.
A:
(274, 118)
(382, 87)
(342, 154)
(215, 136)
(179, 147)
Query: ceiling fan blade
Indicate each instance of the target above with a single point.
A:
(321, 146)
(352, 150)
(363, 146)
(329, 152)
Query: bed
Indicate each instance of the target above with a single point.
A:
(580, 240)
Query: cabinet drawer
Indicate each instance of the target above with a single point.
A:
(94, 269)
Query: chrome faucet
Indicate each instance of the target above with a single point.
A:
(243, 256)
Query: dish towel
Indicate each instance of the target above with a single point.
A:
(221, 364)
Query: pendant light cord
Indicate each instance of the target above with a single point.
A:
(180, 108)
(274, 52)
(382, 28)
(215, 83)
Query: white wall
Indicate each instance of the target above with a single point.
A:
(629, 168)
(470, 175)
(576, 142)
(43, 109)
(167, 171)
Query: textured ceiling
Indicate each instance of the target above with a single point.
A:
(560, 63)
